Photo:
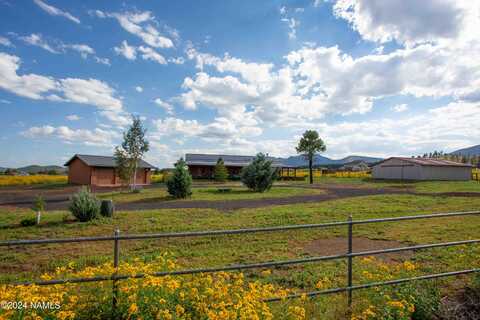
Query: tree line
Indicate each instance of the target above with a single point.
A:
(461, 158)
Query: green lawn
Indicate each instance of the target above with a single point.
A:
(29, 262)
(213, 251)
(418, 186)
(211, 193)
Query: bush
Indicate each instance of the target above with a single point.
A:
(220, 172)
(259, 175)
(180, 183)
(84, 205)
(27, 222)
(107, 208)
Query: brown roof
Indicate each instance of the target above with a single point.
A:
(103, 161)
(430, 162)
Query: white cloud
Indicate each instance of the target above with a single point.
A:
(5, 42)
(444, 128)
(37, 40)
(96, 137)
(147, 53)
(51, 10)
(127, 51)
(140, 24)
(252, 72)
(5, 101)
(409, 21)
(292, 24)
(178, 60)
(97, 93)
(83, 49)
(73, 117)
(29, 85)
(150, 54)
(84, 91)
(138, 89)
(165, 105)
(104, 61)
(400, 107)
(58, 47)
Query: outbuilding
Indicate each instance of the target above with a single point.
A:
(397, 168)
(100, 171)
(203, 165)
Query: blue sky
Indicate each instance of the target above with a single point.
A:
(374, 78)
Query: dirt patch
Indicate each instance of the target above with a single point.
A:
(338, 245)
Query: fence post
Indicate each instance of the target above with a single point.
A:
(116, 255)
(349, 264)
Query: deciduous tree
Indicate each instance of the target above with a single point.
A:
(309, 145)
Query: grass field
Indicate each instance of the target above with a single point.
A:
(211, 193)
(37, 179)
(418, 186)
(30, 262)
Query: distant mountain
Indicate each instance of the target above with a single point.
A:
(471, 151)
(37, 169)
(360, 158)
(297, 161)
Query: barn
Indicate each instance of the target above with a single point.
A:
(203, 165)
(398, 168)
(100, 171)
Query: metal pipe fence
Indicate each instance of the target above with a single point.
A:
(348, 255)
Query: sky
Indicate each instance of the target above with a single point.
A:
(374, 78)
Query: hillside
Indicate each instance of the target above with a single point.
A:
(471, 151)
(296, 161)
(37, 169)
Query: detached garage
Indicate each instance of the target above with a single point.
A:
(397, 168)
(100, 171)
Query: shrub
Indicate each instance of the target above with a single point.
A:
(220, 173)
(84, 205)
(107, 208)
(28, 222)
(259, 175)
(180, 183)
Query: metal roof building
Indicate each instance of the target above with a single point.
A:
(398, 168)
(202, 165)
(100, 171)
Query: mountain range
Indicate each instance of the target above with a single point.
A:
(471, 151)
(38, 169)
(318, 160)
(294, 161)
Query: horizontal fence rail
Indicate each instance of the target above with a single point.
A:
(349, 255)
(230, 232)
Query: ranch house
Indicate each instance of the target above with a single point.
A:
(100, 171)
(397, 168)
(203, 165)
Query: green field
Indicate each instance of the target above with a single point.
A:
(211, 193)
(29, 263)
(418, 186)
